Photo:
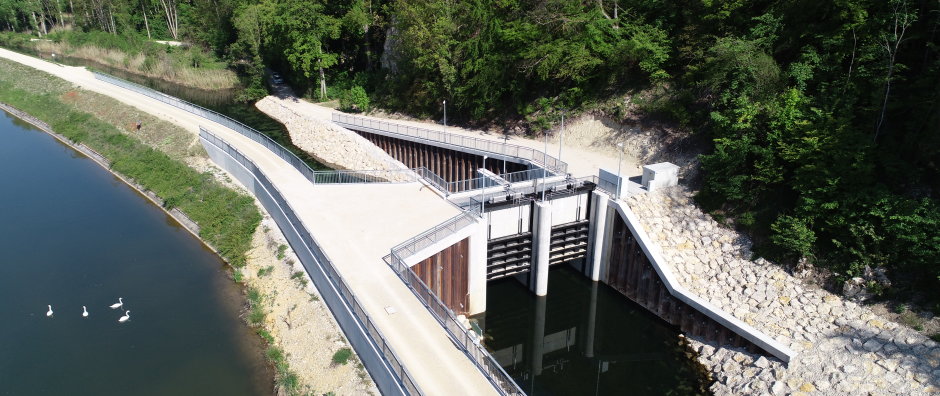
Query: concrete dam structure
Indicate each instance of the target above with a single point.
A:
(428, 238)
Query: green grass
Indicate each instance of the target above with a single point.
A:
(280, 251)
(238, 276)
(265, 271)
(227, 219)
(286, 378)
(342, 356)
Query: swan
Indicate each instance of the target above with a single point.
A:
(126, 317)
(49, 313)
(84, 312)
(118, 304)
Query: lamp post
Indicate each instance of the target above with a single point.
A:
(562, 134)
(505, 142)
(544, 163)
(619, 162)
(445, 112)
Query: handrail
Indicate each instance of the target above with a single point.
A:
(391, 359)
(462, 337)
(550, 163)
(214, 116)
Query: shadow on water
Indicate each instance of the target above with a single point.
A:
(584, 338)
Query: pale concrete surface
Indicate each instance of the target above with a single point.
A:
(581, 161)
(356, 225)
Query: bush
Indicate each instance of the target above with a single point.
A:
(342, 356)
(354, 99)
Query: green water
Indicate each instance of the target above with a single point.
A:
(584, 338)
(71, 234)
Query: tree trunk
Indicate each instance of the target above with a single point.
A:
(322, 82)
(172, 22)
(111, 17)
(146, 24)
(36, 23)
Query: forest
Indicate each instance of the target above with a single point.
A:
(822, 118)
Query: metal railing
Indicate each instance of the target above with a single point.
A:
(326, 264)
(216, 117)
(521, 176)
(550, 163)
(462, 337)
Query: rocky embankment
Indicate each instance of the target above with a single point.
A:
(843, 348)
(333, 146)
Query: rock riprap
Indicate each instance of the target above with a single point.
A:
(842, 348)
(332, 145)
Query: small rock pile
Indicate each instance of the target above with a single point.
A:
(842, 347)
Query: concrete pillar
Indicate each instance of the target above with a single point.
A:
(592, 319)
(476, 268)
(541, 247)
(597, 233)
(538, 336)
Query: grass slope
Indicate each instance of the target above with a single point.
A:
(227, 219)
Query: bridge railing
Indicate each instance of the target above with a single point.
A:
(322, 263)
(550, 163)
(465, 339)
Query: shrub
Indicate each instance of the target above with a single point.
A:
(354, 99)
(342, 356)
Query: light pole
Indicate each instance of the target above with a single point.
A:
(562, 134)
(619, 162)
(483, 189)
(505, 142)
(445, 112)
(544, 163)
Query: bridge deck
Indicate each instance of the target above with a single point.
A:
(356, 225)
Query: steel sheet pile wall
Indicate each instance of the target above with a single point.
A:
(445, 273)
(631, 273)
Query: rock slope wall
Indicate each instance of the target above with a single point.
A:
(843, 348)
(334, 146)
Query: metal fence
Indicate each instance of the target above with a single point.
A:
(521, 176)
(462, 337)
(550, 163)
(379, 341)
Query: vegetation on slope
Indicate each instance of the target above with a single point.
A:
(227, 219)
(823, 117)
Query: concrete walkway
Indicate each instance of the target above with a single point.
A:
(356, 225)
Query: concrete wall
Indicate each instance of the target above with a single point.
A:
(356, 332)
(509, 221)
(568, 209)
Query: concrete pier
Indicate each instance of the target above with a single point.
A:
(541, 247)
(596, 237)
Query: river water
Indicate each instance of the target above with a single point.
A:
(71, 234)
(585, 338)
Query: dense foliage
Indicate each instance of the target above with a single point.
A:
(824, 115)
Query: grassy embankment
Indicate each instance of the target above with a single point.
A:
(189, 66)
(154, 159)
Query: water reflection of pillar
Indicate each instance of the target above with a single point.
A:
(591, 319)
(538, 337)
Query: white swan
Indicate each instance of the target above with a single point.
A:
(118, 304)
(84, 312)
(49, 313)
(126, 317)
